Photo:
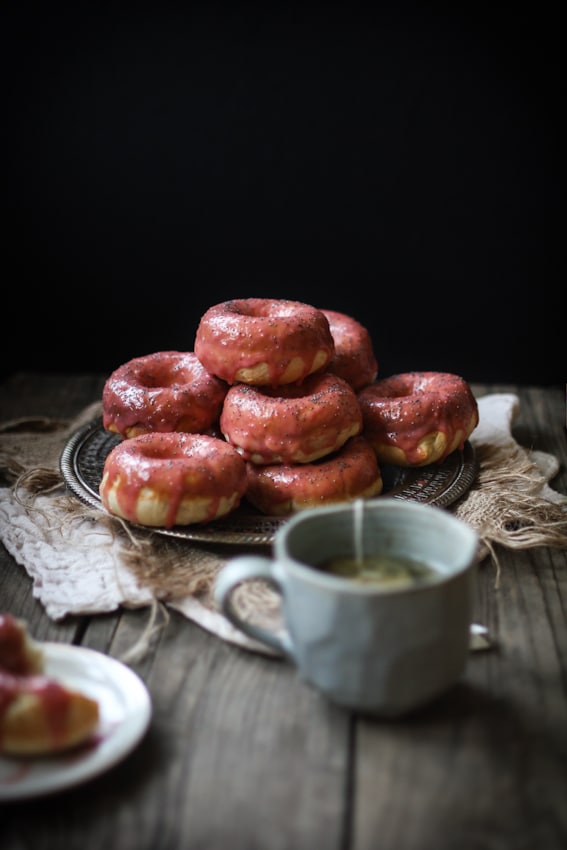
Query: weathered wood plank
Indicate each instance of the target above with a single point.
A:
(485, 766)
(242, 754)
(267, 753)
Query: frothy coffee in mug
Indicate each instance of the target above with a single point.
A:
(382, 569)
(387, 570)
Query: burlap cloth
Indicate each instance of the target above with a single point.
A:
(83, 562)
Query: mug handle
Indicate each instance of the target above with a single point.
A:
(237, 571)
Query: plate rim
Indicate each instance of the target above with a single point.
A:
(468, 463)
(116, 743)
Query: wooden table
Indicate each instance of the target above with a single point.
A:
(241, 754)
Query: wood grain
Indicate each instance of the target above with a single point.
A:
(242, 754)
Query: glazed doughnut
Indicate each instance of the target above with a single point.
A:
(295, 423)
(282, 489)
(354, 358)
(418, 418)
(165, 391)
(38, 715)
(162, 480)
(263, 341)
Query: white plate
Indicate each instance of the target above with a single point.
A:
(125, 711)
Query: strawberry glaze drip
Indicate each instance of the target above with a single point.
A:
(292, 422)
(165, 391)
(351, 472)
(244, 333)
(174, 466)
(55, 700)
(354, 358)
(403, 409)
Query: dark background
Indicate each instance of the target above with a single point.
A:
(400, 163)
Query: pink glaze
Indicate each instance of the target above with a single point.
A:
(244, 333)
(55, 701)
(350, 473)
(175, 466)
(402, 409)
(165, 391)
(354, 358)
(295, 423)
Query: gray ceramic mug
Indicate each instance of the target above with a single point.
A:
(372, 647)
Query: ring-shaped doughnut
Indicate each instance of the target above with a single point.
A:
(354, 358)
(165, 391)
(295, 423)
(167, 479)
(281, 489)
(418, 418)
(263, 341)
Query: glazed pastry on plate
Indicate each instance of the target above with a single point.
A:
(38, 714)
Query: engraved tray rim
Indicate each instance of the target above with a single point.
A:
(439, 484)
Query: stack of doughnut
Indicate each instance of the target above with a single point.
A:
(277, 404)
(38, 715)
(292, 416)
